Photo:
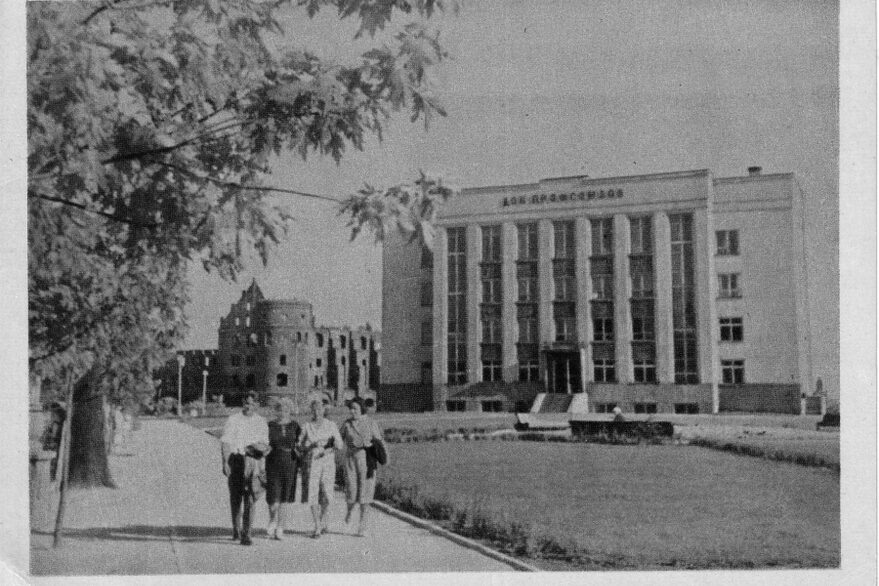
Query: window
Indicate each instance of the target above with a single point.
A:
(362, 343)
(727, 242)
(282, 360)
(267, 339)
(250, 381)
(248, 306)
(527, 289)
(456, 405)
(426, 294)
(686, 408)
(602, 329)
(528, 329)
(733, 371)
(491, 330)
(492, 406)
(427, 333)
(642, 238)
(426, 258)
(237, 321)
(320, 340)
(645, 372)
(565, 329)
(602, 236)
(565, 288)
(564, 239)
(728, 285)
(491, 243)
(529, 371)
(491, 290)
(343, 361)
(236, 340)
(249, 360)
(247, 322)
(316, 380)
(298, 336)
(281, 380)
(641, 272)
(457, 307)
(318, 362)
(602, 287)
(342, 341)
(527, 236)
(427, 373)
(605, 407)
(252, 341)
(491, 370)
(645, 408)
(731, 329)
(604, 371)
(235, 360)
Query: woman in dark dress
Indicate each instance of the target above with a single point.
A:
(282, 465)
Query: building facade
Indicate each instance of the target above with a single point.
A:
(274, 348)
(672, 292)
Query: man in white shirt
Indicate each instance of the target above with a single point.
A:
(242, 430)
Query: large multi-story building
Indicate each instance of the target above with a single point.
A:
(672, 292)
(273, 347)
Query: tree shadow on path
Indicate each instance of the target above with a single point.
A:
(187, 533)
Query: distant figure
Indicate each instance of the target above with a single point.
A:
(318, 442)
(52, 435)
(618, 414)
(245, 440)
(282, 467)
(359, 432)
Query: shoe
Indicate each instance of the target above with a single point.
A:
(245, 540)
(279, 535)
(235, 535)
(272, 530)
(315, 535)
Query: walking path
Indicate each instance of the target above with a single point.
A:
(170, 515)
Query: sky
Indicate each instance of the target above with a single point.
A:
(538, 90)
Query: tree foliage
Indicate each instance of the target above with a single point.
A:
(151, 127)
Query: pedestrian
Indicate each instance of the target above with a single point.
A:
(245, 440)
(320, 438)
(282, 466)
(359, 432)
(618, 415)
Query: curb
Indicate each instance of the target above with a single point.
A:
(454, 537)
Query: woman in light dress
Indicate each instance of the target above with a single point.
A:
(318, 442)
(359, 432)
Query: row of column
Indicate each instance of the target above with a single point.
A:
(663, 324)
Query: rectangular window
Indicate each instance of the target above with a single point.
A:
(492, 406)
(602, 236)
(645, 371)
(564, 239)
(686, 408)
(282, 360)
(528, 329)
(427, 373)
(426, 258)
(683, 294)
(457, 306)
(733, 371)
(642, 235)
(527, 289)
(527, 241)
(491, 370)
(602, 329)
(727, 242)
(491, 290)
(529, 371)
(565, 329)
(602, 287)
(728, 285)
(641, 273)
(491, 243)
(565, 288)
(605, 407)
(731, 329)
(604, 371)
(426, 294)
(456, 405)
(318, 362)
(491, 330)
(320, 340)
(641, 408)
(642, 328)
(427, 332)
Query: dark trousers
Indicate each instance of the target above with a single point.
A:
(238, 496)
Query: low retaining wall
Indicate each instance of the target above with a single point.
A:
(761, 398)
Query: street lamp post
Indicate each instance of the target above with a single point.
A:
(181, 361)
(204, 383)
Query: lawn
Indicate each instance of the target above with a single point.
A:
(640, 506)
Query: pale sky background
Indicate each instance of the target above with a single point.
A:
(547, 89)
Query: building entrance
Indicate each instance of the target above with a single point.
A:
(563, 372)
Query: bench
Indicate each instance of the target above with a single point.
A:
(829, 420)
(582, 429)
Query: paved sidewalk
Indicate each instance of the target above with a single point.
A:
(170, 515)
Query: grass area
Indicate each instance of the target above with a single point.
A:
(628, 506)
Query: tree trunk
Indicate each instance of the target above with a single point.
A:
(88, 449)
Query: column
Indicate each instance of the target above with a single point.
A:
(509, 322)
(474, 296)
(583, 237)
(545, 283)
(622, 315)
(440, 317)
(664, 326)
(706, 310)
